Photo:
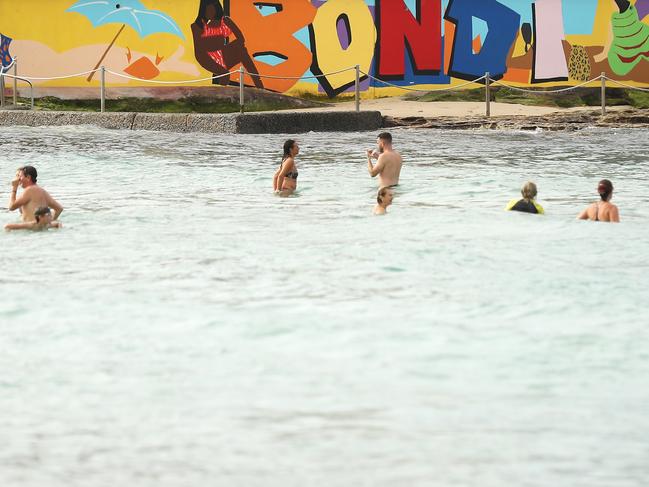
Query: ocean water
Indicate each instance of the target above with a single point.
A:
(187, 327)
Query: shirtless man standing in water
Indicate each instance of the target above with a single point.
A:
(388, 166)
(32, 197)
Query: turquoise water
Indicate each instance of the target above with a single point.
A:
(188, 327)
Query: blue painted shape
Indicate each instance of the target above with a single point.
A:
(130, 12)
(5, 56)
(266, 10)
(579, 17)
(495, 48)
(271, 59)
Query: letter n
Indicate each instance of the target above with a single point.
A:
(400, 31)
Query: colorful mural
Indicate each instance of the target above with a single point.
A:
(414, 43)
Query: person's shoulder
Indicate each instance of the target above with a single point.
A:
(511, 204)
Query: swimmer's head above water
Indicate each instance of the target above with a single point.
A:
(385, 197)
(291, 149)
(529, 191)
(43, 215)
(383, 141)
(27, 175)
(605, 189)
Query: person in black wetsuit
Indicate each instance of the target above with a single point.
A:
(527, 204)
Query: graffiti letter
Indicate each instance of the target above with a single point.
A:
(272, 35)
(503, 24)
(342, 35)
(549, 58)
(399, 30)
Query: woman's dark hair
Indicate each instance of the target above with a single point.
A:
(30, 171)
(381, 194)
(203, 6)
(605, 188)
(288, 145)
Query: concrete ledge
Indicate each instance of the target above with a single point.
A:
(249, 123)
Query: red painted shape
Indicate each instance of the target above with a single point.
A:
(400, 30)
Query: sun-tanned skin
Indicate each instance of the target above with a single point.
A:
(604, 210)
(42, 221)
(32, 197)
(388, 166)
(383, 200)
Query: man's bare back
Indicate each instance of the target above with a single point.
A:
(388, 166)
(32, 197)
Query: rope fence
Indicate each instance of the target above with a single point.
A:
(486, 80)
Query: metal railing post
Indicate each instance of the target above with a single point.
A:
(102, 88)
(2, 88)
(487, 90)
(357, 88)
(241, 95)
(15, 82)
(603, 78)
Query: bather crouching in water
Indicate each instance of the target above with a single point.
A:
(42, 221)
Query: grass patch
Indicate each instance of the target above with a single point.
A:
(151, 105)
(581, 97)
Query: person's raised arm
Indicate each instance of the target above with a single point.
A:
(14, 191)
(375, 169)
(235, 29)
(14, 203)
(53, 204)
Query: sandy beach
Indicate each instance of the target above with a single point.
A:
(400, 107)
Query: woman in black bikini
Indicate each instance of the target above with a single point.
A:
(285, 178)
(604, 210)
(213, 49)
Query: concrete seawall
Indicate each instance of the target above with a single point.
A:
(232, 123)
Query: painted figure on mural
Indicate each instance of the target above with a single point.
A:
(214, 51)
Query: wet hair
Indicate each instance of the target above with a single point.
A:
(203, 6)
(605, 189)
(30, 171)
(529, 191)
(40, 211)
(386, 137)
(381, 194)
(288, 145)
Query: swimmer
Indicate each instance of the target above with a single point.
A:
(383, 200)
(32, 197)
(42, 221)
(604, 210)
(285, 178)
(527, 204)
(388, 165)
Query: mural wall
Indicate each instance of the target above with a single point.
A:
(414, 43)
